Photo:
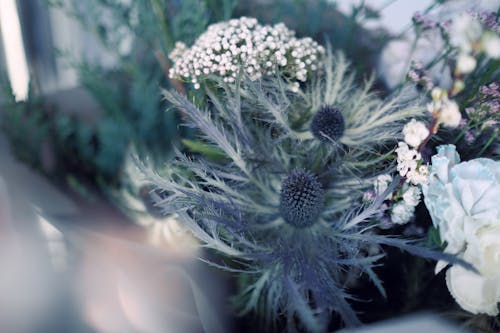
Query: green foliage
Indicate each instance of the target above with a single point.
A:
(206, 150)
(321, 20)
(433, 239)
(24, 124)
(138, 35)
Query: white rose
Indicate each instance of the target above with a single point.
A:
(402, 213)
(450, 115)
(465, 63)
(415, 133)
(412, 196)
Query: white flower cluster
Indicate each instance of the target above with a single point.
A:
(243, 44)
(410, 165)
(381, 183)
(462, 199)
(415, 132)
(445, 110)
(403, 202)
(402, 212)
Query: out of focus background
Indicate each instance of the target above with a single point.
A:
(81, 250)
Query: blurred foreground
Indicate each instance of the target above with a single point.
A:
(71, 268)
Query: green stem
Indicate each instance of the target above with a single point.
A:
(158, 9)
(490, 141)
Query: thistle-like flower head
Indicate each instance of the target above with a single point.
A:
(281, 201)
(328, 123)
(301, 199)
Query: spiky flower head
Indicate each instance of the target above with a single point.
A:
(328, 123)
(284, 205)
(301, 199)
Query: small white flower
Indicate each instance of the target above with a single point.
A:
(405, 153)
(449, 114)
(465, 63)
(419, 175)
(491, 45)
(381, 183)
(227, 48)
(464, 32)
(412, 196)
(415, 133)
(437, 94)
(406, 167)
(407, 159)
(401, 213)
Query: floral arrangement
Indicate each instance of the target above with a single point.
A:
(284, 194)
(460, 197)
(324, 188)
(303, 191)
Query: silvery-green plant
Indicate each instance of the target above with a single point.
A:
(285, 202)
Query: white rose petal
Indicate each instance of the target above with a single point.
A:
(473, 292)
(484, 250)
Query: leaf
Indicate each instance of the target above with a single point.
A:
(433, 238)
(204, 149)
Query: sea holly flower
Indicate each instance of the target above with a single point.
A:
(286, 202)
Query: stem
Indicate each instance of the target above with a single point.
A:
(433, 128)
(490, 141)
(158, 9)
(160, 56)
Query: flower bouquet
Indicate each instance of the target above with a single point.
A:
(300, 175)
(335, 174)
